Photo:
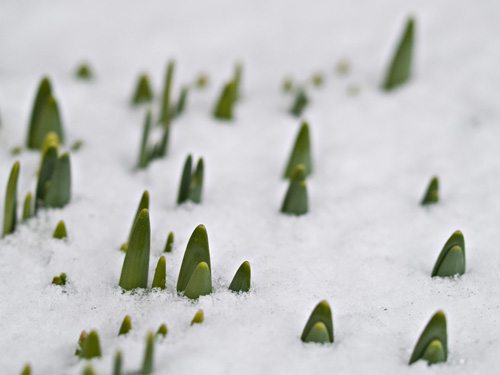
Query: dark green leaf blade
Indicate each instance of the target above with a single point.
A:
(400, 69)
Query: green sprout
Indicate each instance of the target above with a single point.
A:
(238, 72)
(198, 317)
(143, 204)
(241, 280)
(318, 79)
(181, 104)
(224, 108)
(195, 275)
(16, 150)
(54, 179)
(191, 185)
(432, 193)
(162, 331)
(296, 200)
(201, 81)
(170, 243)
(142, 92)
(126, 325)
(166, 112)
(160, 274)
(343, 67)
(88, 370)
(287, 85)
(26, 370)
(27, 207)
(60, 280)
(60, 231)
(117, 364)
(148, 363)
(319, 327)
(10, 207)
(76, 145)
(136, 263)
(301, 152)
(84, 72)
(58, 189)
(432, 346)
(144, 153)
(89, 344)
(400, 69)
(451, 260)
(44, 116)
(300, 103)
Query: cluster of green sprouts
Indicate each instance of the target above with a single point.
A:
(53, 189)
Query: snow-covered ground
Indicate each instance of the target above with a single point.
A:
(366, 245)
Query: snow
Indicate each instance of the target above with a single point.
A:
(366, 245)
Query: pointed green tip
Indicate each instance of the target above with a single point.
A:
(451, 259)
(301, 152)
(170, 243)
(126, 326)
(318, 334)
(159, 279)
(143, 92)
(434, 353)
(60, 231)
(432, 193)
(321, 314)
(200, 283)
(435, 330)
(241, 281)
(198, 317)
(162, 331)
(91, 347)
(26, 370)
(84, 72)
(10, 207)
(399, 71)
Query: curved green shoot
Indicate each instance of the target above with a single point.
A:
(401, 65)
(143, 92)
(160, 274)
(301, 152)
(241, 280)
(426, 345)
(126, 326)
(198, 317)
(170, 243)
(197, 251)
(432, 193)
(136, 263)
(296, 200)
(321, 314)
(451, 259)
(10, 207)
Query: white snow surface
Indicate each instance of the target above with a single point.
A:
(366, 246)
